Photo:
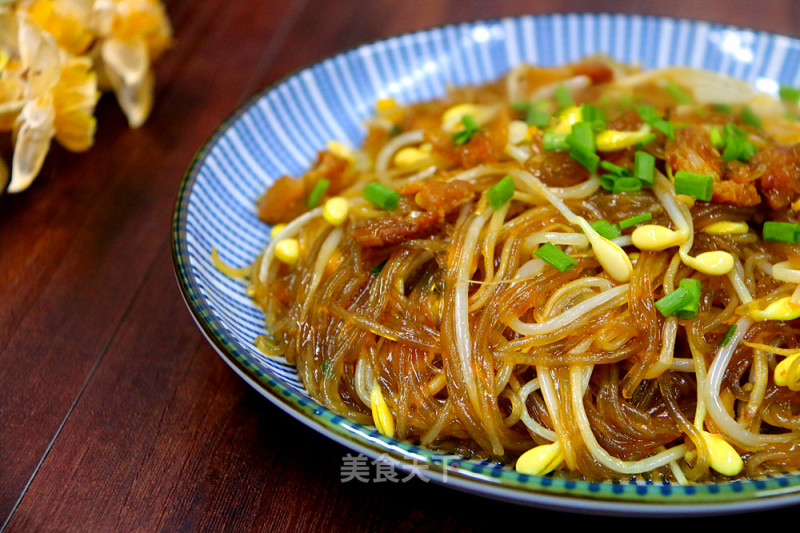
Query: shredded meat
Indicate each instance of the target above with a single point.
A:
(283, 201)
(779, 180)
(734, 192)
(440, 196)
(287, 198)
(488, 145)
(436, 198)
(691, 150)
(395, 229)
(556, 169)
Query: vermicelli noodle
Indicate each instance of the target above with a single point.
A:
(585, 263)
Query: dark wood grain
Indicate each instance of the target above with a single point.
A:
(115, 413)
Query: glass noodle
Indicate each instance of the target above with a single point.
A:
(443, 320)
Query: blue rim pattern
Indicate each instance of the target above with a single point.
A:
(279, 132)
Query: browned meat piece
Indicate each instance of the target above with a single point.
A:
(440, 196)
(283, 201)
(394, 229)
(774, 171)
(734, 192)
(335, 169)
(628, 120)
(287, 198)
(556, 169)
(691, 150)
(779, 178)
(488, 145)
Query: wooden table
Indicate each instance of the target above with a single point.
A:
(115, 413)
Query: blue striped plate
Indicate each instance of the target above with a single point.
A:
(280, 131)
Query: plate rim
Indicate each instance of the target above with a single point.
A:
(579, 496)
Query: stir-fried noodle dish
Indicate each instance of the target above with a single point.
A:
(588, 270)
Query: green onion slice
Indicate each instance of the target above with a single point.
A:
(381, 195)
(582, 147)
(748, 116)
(635, 220)
(555, 257)
(607, 229)
(789, 94)
(614, 169)
(644, 165)
(698, 186)
(563, 97)
(594, 116)
(555, 142)
(470, 129)
(649, 115)
(318, 192)
(781, 232)
(678, 94)
(501, 192)
(533, 115)
(626, 185)
(672, 302)
(689, 310)
(728, 335)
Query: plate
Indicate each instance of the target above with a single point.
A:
(279, 132)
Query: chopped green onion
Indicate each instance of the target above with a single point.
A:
(649, 115)
(647, 139)
(501, 192)
(722, 108)
(470, 129)
(590, 160)
(678, 94)
(644, 165)
(748, 116)
(716, 138)
(555, 257)
(672, 302)
(381, 195)
(748, 151)
(533, 115)
(737, 147)
(665, 127)
(581, 145)
(698, 186)
(728, 335)
(626, 185)
(733, 149)
(594, 116)
(689, 310)
(789, 94)
(635, 220)
(607, 181)
(614, 169)
(606, 229)
(582, 137)
(781, 232)
(555, 142)
(395, 130)
(563, 97)
(318, 192)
